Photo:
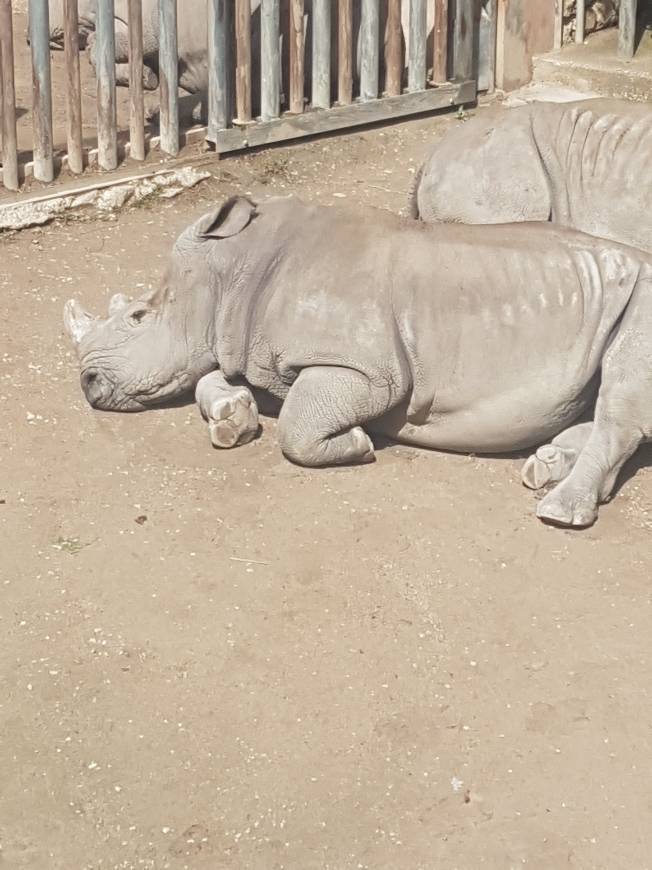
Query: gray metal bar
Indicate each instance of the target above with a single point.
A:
(418, 36)
(369, 49)
(463, 40)
(168, 65)
(270, 87)
(580, 19)
(321, 53)
(39, 38)
(8, 99)
(218, 56)
(627, 28)
(107, 138)
(136, 100)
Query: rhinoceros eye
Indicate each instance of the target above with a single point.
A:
(138, 314)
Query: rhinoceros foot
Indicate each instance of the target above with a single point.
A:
(230, 411)
(567, 507)
(549, 464)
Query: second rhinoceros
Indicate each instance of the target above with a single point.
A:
(582, 164)
(472, 339)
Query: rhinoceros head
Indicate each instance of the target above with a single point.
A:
(155, 348)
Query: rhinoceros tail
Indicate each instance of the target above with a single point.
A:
(413, 200)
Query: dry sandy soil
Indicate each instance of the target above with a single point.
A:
(218, 661)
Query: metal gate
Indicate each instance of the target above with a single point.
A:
(274, 70)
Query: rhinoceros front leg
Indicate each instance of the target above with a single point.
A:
(230, 411)
(553, 462)
(623, 420)
(320, 421)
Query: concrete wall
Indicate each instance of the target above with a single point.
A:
(525, 28)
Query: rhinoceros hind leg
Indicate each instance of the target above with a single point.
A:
(319, 423)
(623, 419)
(230, 411)
(553, 462)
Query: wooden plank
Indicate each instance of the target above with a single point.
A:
(343, 117)
(440, 48)
(417, 54)
(487, 47)
(107, 140)
(559, 24)
(168, 76)
(393, 49)
(39, 38)
(321, 53)
(369, 49)
(218, 59)
(296, 56)
(8, 98)
(463, 40)
(627, 28)
(580, 20)
(73, 87)
(270, 72)
(345, 52)
(136, 99)
(243, 60)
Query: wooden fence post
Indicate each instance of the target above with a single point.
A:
(218, 59)
(580, 20)
(168, 65)
(321, 53)
(270, 66)
(627, 28)
(418, 37)
(136, 102)
(463, 40)
(369, 49)
(345, 52)
(8, 99)
(393, 52)
(73, 87)
(39, 38)
(296, 56)
(243, 60)
(559, 24)
(107, 139)
(440, 48)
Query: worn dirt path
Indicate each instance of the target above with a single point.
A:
(218, 661)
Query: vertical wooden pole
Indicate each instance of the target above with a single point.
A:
(243, 60)
(418, 37)
(321, 53)
(39, 38)
(345, 52)
(463, 40)
(393, 52)
(107, 139)
(270, 66)
(580, 20)
(440, 50)
(8, 98)
(218, 58)
(369, 49)
(559, 24)
(168, 65)
(73, 87)
(296, 56)
(136, 102)
(627, 29)
(492, 11)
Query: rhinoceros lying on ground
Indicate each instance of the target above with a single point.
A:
(472, 339)
(585, 165)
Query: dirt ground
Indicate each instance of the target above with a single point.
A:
(219, 661)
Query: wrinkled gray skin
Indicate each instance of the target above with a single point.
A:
(585, 165)
(471, 339)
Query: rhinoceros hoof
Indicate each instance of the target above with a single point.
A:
(363, 446)
(233, 419)
(565, 508)
(549, 464)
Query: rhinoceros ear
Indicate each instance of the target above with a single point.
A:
(117, 303)
(230, 219)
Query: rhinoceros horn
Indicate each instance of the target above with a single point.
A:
(118, 302)
(77, 321)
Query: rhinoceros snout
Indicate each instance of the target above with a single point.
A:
(96, 387)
